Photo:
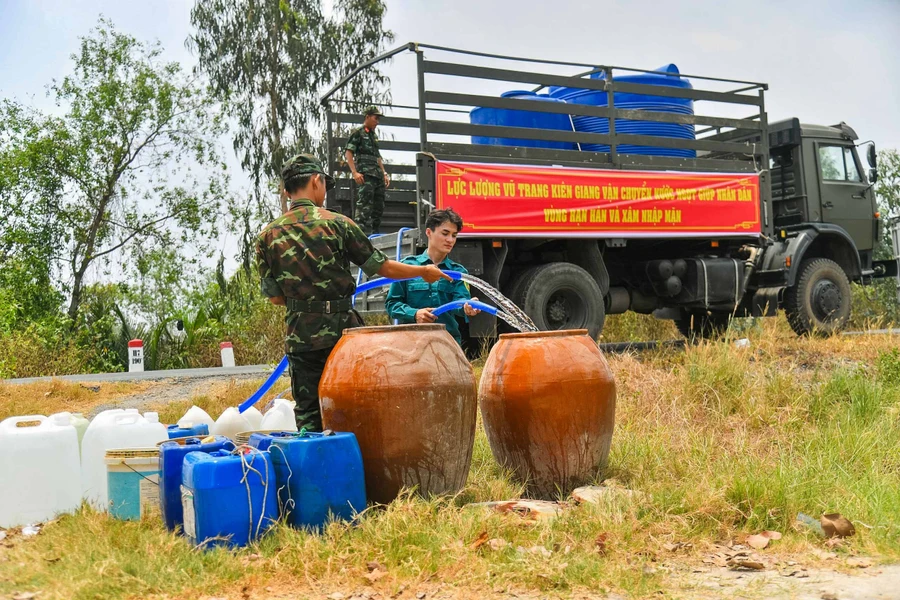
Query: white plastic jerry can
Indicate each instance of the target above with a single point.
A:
(280, 417)
(110, 430)
(39, 469)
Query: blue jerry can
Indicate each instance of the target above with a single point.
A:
(171, 461)
(199, 430)
(318, 474)
(214, 496)
(261, 441)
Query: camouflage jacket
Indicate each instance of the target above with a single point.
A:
(306, 254)
(364, 146)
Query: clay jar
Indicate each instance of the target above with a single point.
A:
(548, 402)
(408, 394)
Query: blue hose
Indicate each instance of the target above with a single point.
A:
(380, 282)
(258, 394)
(460, 303)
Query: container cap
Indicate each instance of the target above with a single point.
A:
(152, 417)
(62, 419)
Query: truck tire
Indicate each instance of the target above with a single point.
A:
(702, 325)
(819, 303)
(561, 296)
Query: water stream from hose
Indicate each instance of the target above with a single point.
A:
(505, 309)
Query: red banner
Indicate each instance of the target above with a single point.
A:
(518, 201)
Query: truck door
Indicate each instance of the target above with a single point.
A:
(844, 194)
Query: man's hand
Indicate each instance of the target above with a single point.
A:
(432, 273)
(424, 315)
(358, 177)
(470, 311)
(387, 179)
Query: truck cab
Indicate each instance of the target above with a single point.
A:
(817, 177)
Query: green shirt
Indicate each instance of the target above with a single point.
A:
(306, 254)
(406, 297)
(363, 143)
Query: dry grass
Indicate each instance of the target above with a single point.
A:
(46, 398)
(722, 442)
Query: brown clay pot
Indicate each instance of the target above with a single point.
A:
(548, 402)
(408, 394)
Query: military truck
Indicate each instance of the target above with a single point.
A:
(741, 218)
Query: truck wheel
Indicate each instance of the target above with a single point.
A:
(819, 303)
(561, 296)
(704, 325)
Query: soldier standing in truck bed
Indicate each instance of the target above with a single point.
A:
(367, 168)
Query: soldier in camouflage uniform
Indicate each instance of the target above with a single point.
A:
(304, 261)
(364, 159)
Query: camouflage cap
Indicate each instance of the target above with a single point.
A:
(373, 110)
(305, 164)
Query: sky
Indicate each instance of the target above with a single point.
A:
(825, 61)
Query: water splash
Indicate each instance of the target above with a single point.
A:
(515, 323)
(514, 315)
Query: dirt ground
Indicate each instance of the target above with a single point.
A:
(681, 581)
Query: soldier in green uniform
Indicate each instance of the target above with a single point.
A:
(304, 261)
(413, 301)
(364, 159)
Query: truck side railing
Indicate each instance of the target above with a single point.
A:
(436, 122)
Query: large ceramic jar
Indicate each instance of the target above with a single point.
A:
(408, 394)
(548, 402)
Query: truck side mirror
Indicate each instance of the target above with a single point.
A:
(872, 156)
(873, 175)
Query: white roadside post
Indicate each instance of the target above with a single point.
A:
(136, 356)
(227, 351)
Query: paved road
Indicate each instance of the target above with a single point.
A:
(261, 370)
(266, 369)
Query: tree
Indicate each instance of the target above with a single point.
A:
(29, 233)
(887, 188)
(116, 169)
(269, 60)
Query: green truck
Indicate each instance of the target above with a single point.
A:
(808, 188)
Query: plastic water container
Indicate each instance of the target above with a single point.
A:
(280, 417)
(133, 482)
(39, 470)
(255, 417)
(230, 423)
(262, 440)
(196, 416)
(177, 431)
(122, 430)
(228, 499)
(171, 463)
(77, 421)
(319, 477)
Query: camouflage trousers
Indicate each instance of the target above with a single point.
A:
(306, 371)
(370, 204)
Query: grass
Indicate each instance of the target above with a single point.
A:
(58, 396)
(722, 441)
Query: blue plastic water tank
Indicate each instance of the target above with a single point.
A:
(664, 76)
(171, 461)
(199, 430)
(214, 495)
(522, 118)
(318, 475)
